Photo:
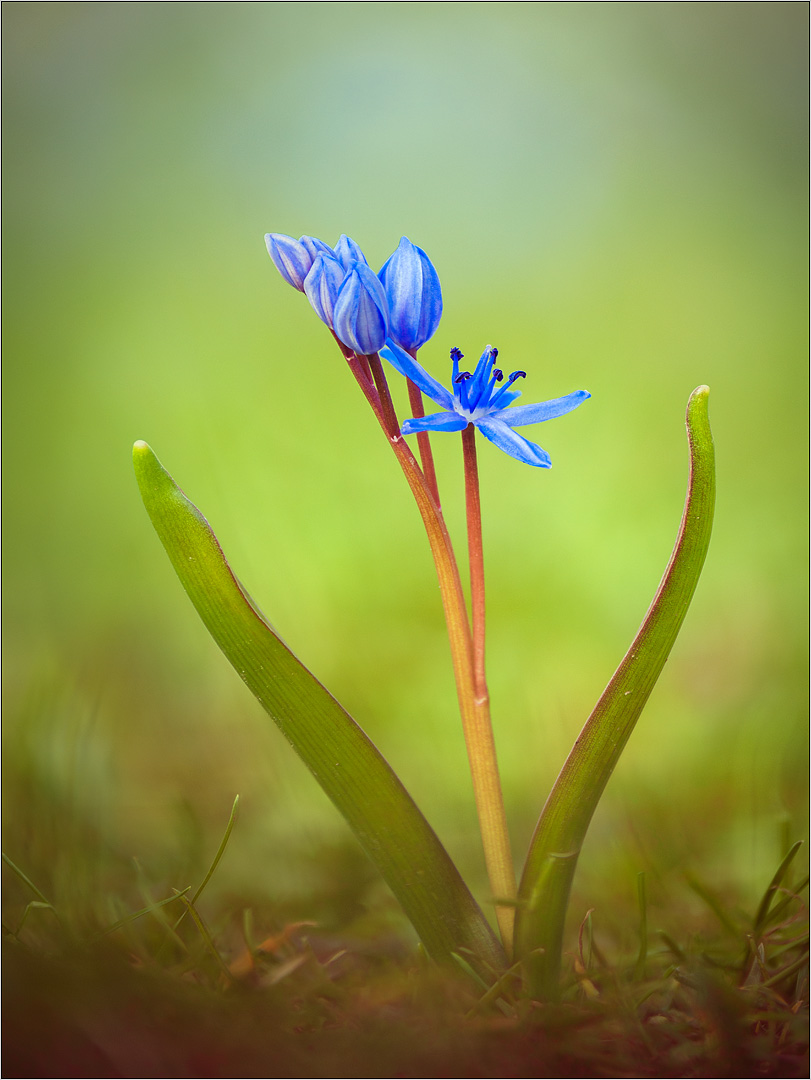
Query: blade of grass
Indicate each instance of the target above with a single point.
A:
(220, 852)
(762, 916)
(32, 905)
(158, 913)
(208, 941)
(793, 896)
(138, 914)
(27, 881)
(561, 830)
(343, 760)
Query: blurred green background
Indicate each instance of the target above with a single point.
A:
(614, 194)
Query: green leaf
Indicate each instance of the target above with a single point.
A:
(346, 764)
(544, 891)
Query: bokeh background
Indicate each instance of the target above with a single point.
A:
(614, 194)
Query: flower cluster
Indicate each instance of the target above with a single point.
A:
(400, 308)
(403, 302)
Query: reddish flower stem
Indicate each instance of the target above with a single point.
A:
(475, 550)
(423, 438)
(474, 708)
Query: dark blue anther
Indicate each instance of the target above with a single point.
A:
(462, 376)
(456, 354)
(498, 374)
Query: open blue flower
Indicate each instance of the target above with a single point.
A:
(478, 399)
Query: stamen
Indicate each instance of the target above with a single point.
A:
(461, 380)
(504, 393)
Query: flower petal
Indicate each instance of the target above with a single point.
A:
(347, 252)
(291, 258)
(515, 445)
(315, 246)
(543, 410)
(414, 295)
(475, 387)
(409, 367)
(322, 285)
(441, 421)
(360, 315)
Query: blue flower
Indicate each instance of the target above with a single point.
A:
(294, 258)
(360, 317)
(414, 296)
(348, 252)
(478, 399)
(322, 285)
(343, 290)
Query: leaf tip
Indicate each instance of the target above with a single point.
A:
(144, 461)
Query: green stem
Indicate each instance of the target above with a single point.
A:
(561, 830)
(475, 712)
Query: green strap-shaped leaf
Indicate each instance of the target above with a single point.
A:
(346, 764)
(550, 866)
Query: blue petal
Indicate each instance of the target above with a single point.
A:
(348, 252)
(360, 314)
(544, 410)
(514, 445)
(322, 285)
(441, 421)
(481, 376)
(409, 367)
(316, 247)
(504, 398)
(414, 296)
(291, 258)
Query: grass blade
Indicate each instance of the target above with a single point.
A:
(343, 760)
(555, 847)
(762, 916)
(140, 914)
(26, 880)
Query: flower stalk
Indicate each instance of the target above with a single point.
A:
(473, 508)
(474, 705)
(483, 750)
(423, 440)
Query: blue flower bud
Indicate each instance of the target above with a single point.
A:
(348, 252)
(360, 314)
(322, 285)
(294, 258)
(413, 294)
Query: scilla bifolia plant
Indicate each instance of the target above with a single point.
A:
(391, 315)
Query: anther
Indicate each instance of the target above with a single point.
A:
(462, 376)
(518, 375)
(456, 354)
(498, 374)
